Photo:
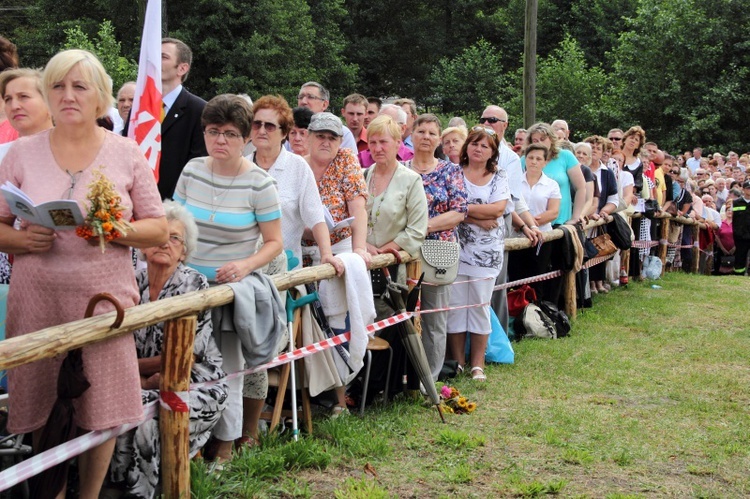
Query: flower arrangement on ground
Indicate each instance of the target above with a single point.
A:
(104, 216)
(454, 403)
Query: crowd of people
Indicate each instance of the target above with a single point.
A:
(245, 190)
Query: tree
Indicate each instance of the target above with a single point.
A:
(332, 70)
(40, 32)
(469, 81)
(680, 68)
(567, 88)
(107, 49)
(267, 46)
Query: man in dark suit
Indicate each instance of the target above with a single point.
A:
(181, 130)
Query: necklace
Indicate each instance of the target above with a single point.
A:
(215, 199)
(372, 220)
(422, 170)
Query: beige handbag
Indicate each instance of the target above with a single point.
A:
(439, 261)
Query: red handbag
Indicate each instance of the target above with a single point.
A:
(519, 298)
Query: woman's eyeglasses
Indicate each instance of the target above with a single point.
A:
(174, 239)
(270, 127)
(228, 135)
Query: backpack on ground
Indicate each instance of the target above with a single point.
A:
(534, 323)
(560, 318)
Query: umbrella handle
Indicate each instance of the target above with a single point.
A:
(395, 253)
(106, 297)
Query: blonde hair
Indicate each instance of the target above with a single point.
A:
(9, 75)
(461, 131)
(93, 73)
(546, 130)
(385, 125)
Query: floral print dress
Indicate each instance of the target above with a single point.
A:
(445, 191)
(137, 456)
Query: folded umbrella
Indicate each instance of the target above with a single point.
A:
(396, 299)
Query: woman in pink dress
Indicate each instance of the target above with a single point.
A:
(55, 273)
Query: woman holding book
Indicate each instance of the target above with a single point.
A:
(56, 272)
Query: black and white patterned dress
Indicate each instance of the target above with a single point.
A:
(136, 459)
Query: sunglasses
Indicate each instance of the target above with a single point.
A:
(270, 127)
(615, 139)
(491, 120)
(488, 131)
(675, 172)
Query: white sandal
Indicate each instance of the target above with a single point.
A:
(477, 374)
(338, 411)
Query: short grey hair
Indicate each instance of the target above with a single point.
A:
(323, 92)
(401, 120)
(583, 145)
(457, 121)
(176, 211)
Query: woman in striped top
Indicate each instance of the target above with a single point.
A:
(234, 202)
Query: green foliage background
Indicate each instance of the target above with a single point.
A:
(676, 67)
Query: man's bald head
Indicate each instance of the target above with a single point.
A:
(495, 117)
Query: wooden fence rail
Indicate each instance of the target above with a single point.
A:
(179, 313)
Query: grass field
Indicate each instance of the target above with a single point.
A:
(648, 397)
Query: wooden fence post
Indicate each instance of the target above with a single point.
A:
(663, 242)
(569, 293)
(174, 425)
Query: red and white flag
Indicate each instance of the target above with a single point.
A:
(146, 114)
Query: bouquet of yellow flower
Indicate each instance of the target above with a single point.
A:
(104, 216)
(454, 403)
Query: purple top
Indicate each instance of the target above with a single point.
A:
(726, 235)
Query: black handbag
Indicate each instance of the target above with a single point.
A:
(726, 264)
(619, 230)
(651, 206)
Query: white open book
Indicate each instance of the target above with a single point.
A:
(61, 214)
(332, 226)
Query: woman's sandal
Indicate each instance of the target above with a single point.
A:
(477, 374)
(338, 411)
(245, 441)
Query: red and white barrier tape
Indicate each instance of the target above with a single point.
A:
(308, 350)
(175, 401)
(414, 282)
(528, 280)
(644, 244)
(597, 260)
(52, 457)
